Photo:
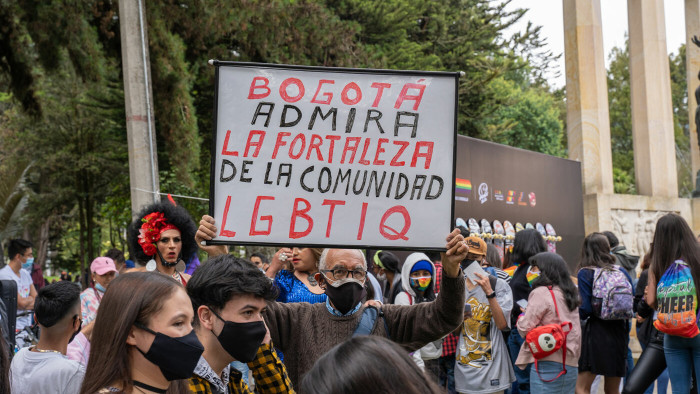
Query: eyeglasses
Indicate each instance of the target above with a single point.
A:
(342, 273)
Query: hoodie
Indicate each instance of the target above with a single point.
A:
(432, 350)
(411, 260)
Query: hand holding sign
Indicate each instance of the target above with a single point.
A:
(456, 252)
(206, 232)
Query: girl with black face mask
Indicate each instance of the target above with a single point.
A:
(143, 341)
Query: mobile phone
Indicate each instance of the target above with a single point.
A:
(522, 303)
(467, 309)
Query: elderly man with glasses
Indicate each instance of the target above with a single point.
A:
(304, 332)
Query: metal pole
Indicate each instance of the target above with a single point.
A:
(143, 163)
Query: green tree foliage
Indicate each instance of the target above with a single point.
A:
(620, 109)
(60, 84)
(621, 121)
(529, 119)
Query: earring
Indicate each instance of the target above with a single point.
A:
(151, 265)
(180, 267)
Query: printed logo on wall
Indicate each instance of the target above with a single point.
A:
(510, 199)
(521, 200)
(483, 192)
(463, 187)
(498, 195)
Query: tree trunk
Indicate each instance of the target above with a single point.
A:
(81, 231)
(42, 243)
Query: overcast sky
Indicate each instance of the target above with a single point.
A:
(549, 15)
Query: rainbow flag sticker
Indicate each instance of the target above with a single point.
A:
(510, 198)
(463, 186)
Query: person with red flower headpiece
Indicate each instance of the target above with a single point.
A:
(162, 238)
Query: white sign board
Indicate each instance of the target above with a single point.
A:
(333, 157)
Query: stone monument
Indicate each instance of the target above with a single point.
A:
(632, 217)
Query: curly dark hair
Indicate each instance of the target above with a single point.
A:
(177, 216)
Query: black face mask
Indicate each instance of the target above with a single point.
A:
(241, 340)
(346, 296)
(176, 357)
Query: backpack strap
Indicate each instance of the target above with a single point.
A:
(492, 281)
(563, 348)
(368, 322)
(556, 308)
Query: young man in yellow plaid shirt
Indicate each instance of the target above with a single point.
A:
(229, 295)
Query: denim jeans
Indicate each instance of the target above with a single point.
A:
(447, 373)
(682, 354)
(522, 384)
(548, 370)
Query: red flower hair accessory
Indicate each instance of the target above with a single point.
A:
(153, 225)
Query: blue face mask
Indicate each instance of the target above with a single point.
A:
(28, 264)
(100, 288)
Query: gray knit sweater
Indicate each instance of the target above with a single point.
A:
(304, 332)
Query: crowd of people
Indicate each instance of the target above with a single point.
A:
(334, 320)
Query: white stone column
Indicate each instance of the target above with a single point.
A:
(650, 87)
(588, 120)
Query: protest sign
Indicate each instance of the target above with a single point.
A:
(333, 157)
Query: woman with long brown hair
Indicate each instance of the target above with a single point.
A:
(676, 253)
(143, 341)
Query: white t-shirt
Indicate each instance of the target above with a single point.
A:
(32, 372)
(483, 364)
(24, 285)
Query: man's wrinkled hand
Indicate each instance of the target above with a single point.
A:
(456, 253)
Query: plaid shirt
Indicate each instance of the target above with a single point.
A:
(438, 276)
(449, 345)
(269, 373)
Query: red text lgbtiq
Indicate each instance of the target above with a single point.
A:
(301, 213)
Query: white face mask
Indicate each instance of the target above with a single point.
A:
(341, 282)
(381, 276)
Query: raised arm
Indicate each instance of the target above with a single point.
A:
(206, 232)
(414, 326)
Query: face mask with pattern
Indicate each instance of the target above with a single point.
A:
(421, 283)
(532, 275)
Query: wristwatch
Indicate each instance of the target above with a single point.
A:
(493, 294)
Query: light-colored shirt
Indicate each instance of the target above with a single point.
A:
(336, 312)
(79, 349)
(483, 364)
(24, 285)
(540, 311)
(46, 373)
(89, 303)
(219, 383)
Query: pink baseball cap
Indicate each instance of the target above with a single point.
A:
(102, 265)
